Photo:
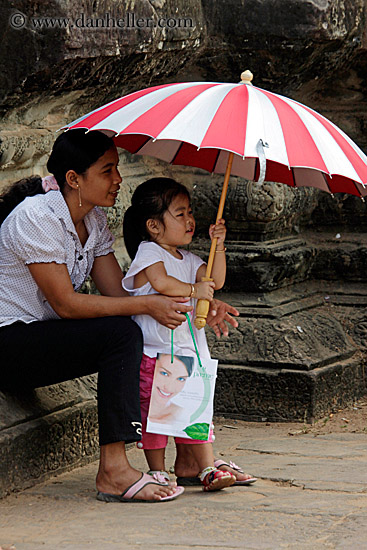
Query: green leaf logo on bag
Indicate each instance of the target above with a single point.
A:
(198, 431)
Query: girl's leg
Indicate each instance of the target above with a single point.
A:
(48, 352)
(155, 459)
(203, 455)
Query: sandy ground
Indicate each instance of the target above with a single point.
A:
(311, 494)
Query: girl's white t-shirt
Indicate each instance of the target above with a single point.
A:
(157, 338)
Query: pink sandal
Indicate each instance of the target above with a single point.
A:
(130, 493)
(230, 464)
(213, 479)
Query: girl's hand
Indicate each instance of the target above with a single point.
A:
(204, 290)
(218, 231)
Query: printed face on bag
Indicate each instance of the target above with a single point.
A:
(170, 378)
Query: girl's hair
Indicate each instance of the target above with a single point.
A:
(150, 200)
(72, 150)
(187, 361)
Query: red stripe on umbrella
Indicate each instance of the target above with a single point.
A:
(354, 158)
(228, 127)
(155, 119)
(301, 148)
(100, 114)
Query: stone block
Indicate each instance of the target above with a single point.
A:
(46, 431)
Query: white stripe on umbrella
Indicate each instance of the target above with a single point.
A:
(263, 123)
(333, 155)
(120, 119)
(227, 129)
(154, 120)
(192, 122)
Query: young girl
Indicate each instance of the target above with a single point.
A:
(158, 222)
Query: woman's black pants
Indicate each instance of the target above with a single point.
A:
(47, 352)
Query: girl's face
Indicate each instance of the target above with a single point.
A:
(179, 223)
(100, 184)
(170, 379)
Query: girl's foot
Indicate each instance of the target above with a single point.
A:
(213, 479)
(231, 467)
(163, 476)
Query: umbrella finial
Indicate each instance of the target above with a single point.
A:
(246, 77)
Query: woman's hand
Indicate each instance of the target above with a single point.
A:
(167, 311)
(218, 231)
(219, 315)
(204, 290)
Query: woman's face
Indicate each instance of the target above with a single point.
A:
(100, 184)
(170, 379)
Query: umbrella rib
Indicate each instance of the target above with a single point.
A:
(328, 186)
(178, 150)
(216, 161)
(355, 185)
(141, 146)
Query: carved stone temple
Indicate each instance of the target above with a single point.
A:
(297, 259)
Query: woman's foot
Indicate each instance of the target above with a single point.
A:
(213, 479)
(115, 476)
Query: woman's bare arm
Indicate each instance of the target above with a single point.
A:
(54, 281)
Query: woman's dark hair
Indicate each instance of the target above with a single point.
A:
(72, 150)
(150, 200)
(188, 362)
(185, 359)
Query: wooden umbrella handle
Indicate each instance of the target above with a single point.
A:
(202, 307)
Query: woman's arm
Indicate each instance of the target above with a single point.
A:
(107, 276)
(54, 281)
(156, 274)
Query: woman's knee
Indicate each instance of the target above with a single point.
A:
(125, 333)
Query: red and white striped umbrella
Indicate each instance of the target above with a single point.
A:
(200, 123)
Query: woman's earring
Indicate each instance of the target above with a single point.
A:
(80, 198)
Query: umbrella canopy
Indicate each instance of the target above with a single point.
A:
(200, 123)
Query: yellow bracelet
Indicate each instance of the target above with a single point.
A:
(192, 294)
(224, 249)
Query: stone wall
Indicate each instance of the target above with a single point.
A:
(296, 258)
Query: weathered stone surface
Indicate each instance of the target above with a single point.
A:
(46, 430)
(32, 451)
(281, 395)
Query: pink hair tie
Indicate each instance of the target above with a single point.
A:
(49, 183)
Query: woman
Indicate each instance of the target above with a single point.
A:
(49, 243)
(169, 380)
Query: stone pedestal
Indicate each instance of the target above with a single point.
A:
(293, 356)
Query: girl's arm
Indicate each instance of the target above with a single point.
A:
(219, 269)
(157, 276)
(54, 281)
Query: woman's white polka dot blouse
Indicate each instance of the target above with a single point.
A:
(40, 230)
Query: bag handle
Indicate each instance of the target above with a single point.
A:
(193, 339)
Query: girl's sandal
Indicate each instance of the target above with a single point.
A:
(213, 479)
(249, 479)
(163, 477)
